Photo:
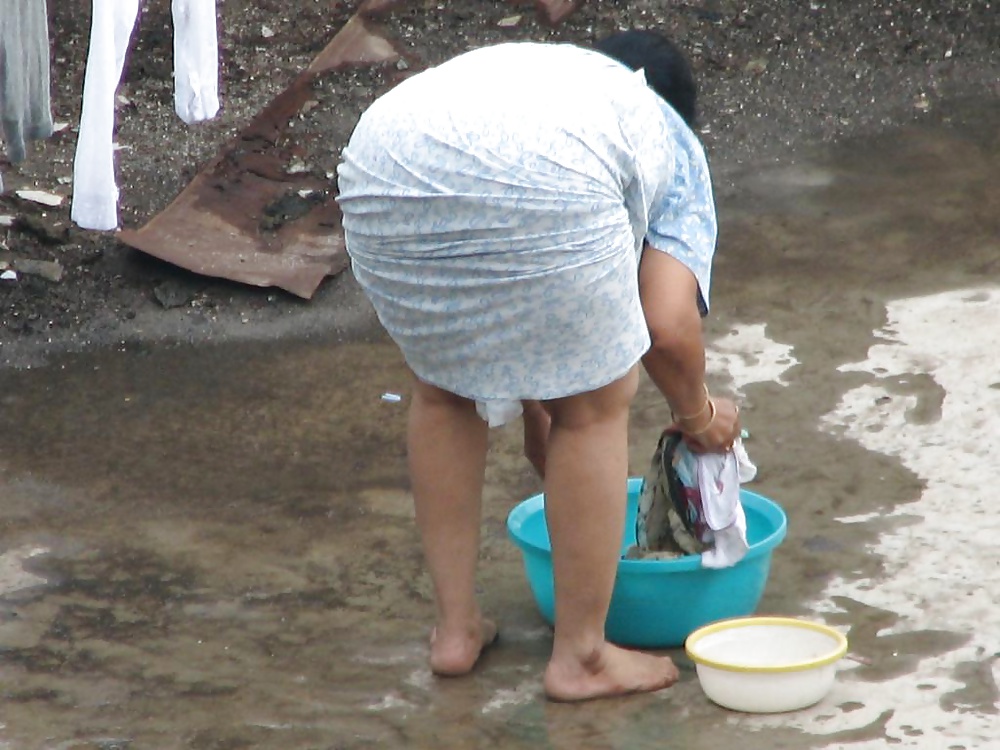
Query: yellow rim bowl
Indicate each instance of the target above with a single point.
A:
(837, 652)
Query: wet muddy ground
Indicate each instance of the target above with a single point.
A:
(211, 546)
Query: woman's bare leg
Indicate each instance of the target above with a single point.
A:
(447, 443)
(586, 469)
(536, 434)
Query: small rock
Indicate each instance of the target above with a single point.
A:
(171, 294)
(8, 276)
(40, 196)
(47, 269)
(6, 220)
(509, 22)
(266, 31)
(756, 67)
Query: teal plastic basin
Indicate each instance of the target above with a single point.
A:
(658, 603)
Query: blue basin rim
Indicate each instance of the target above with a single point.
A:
(528, 508)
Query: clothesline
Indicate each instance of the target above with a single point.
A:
(25, 108)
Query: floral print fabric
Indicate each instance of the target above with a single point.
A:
(496, 208)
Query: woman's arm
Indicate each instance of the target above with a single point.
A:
(675, 361)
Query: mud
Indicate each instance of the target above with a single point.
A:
(212, 546)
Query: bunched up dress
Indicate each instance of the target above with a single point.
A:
(495, 209)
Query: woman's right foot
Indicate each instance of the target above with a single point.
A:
(608, 671)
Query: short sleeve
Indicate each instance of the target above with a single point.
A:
(682, 219)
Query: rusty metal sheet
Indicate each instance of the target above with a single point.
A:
(219, 224)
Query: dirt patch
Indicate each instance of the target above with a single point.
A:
(773, 78)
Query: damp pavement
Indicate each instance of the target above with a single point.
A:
(211, 546)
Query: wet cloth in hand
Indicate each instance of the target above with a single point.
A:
(690, 504)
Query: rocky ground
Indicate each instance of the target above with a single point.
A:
(775, 77)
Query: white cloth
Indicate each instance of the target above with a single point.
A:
(498, 412)
(718, 477)
(196, 60)
(95, 195)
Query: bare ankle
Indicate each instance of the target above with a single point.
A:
(588, 655)
(455, 651)
(592, 659)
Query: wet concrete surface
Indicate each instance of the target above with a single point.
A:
(212, 546)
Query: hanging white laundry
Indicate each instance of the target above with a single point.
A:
(25, 108)
(95, 194)
(196, 60)
(196, 95)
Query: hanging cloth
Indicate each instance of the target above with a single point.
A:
(196, 75)
(95, 195)
(196, 60)
(25, 108)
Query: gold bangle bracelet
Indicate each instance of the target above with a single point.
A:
(706, 405)
(711, 421)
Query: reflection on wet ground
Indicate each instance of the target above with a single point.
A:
(212, 547)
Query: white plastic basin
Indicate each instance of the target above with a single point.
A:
(766, 664)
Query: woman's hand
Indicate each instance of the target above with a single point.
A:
(537, 423)
(717, 430)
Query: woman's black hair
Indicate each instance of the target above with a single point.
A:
(667, 70)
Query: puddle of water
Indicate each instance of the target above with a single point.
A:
(228, 557)
(936, 596)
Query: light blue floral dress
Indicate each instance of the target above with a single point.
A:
(496, 208)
